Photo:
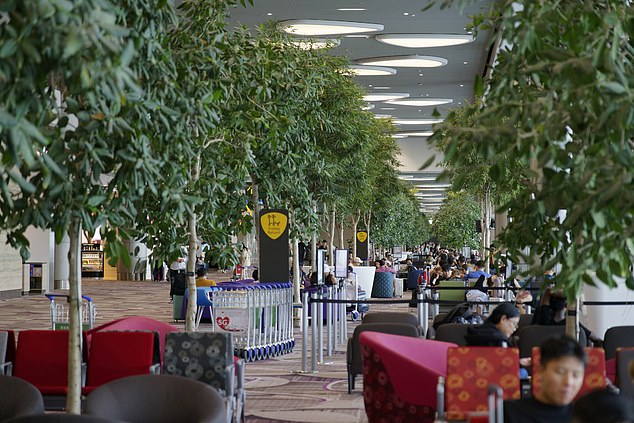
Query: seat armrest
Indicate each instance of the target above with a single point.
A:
(349, 351)
(6, 368)
(155, 369)
(83, 374)
(230, 381)
(240, 374)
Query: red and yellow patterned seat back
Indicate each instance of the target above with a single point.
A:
(470, 371)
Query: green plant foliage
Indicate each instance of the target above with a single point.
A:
(454, 223)
(560, 105)
(397, 220)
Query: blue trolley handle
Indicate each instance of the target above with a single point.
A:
(53, 296)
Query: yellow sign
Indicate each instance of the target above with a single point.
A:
(362, 236)
(273, 224)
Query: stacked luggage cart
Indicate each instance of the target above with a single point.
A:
(59, 311)
(355, 293)
(258, 315)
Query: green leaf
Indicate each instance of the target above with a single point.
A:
(7, 120)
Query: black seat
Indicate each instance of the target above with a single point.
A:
(533, 335)
(392, 317)
(19, 398)
(157, 399)
(452, 332)
(617, 337)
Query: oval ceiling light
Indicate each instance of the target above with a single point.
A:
(424, 40)
(384, 96)
(407, 61)
(419, 134)
(315, 27)
(361, 70)
(421, 102)
(382, 116)
(426, 121)
(316, 44)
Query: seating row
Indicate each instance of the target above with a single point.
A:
(41, 358)
(133, 399)
(400, 374)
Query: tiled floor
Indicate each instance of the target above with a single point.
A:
(276, 391)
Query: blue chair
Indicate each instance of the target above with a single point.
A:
(383, 286)
(203, 303)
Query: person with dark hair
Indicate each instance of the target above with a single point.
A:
(603, 406)
(496, 329)
(552, 311)
(561, 369)
(479, 271)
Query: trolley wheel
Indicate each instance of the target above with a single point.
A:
(354, 314)
(250, 354)
(292, 344)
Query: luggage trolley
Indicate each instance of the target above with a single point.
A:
(353, 292)
(59, 312)
(258, 315)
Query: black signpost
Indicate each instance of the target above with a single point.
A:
(362, 245)
(274, 266)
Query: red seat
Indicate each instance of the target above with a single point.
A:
(133, 323)
(41, 358)
(116, 354)
(400, 375)
(594, 376)
(470, 371)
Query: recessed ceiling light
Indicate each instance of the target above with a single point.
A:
(382, 88)
(428, 121)
(351, 9)
(465, 63)
(357, 36)
(326, 27)
(461, 85)
(269, 14)
(317, 43)
(408, 61)
(368, 107)
(421, 102)
(382, 116)
(424, 40)
(434, 186)
(387, 108)
(419, 134)
(362, 70)
(397, 136)
(384, 96)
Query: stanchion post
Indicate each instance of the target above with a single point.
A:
(336, 316)
(329, 324)
(320, 326)
(436, 305)
(305, 332)
(313, 365)
(343, 316)
(419, 307)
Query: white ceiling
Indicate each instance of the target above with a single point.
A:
(454, 80)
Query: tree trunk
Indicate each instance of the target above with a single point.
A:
(482, 234)
(190, 317)
(355, 224)
(485, 228)
(572, 319)
(333, 225)
(313, 246)
(73, 398)
(255, 254)
(342, 242)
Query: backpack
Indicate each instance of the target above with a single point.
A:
(460, 313)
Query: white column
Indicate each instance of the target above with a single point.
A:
(62, 268)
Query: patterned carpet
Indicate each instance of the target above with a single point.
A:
(276, 391)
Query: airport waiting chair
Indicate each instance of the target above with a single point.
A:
(62, 418)
(7, 351)
(41, 359)
(624, 369)
(533, 335)
(383, 285)
(117, 354)
(470, 373)
(400, 375)
(392, 317)
(19, 398)
(353, 351)
(593, 378)
(156, 399)
(453, 332)
(208, 357)
(617, 337)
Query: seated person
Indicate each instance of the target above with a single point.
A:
(381, 266)
(478, 293)
(603, 406)
(522, 296)
(440, 274)
(562, 366)
(552, 311)
(201, 280)
(479, 271)
(496, 329)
